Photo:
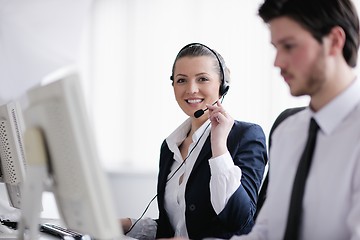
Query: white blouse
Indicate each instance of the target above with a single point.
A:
(225, 176)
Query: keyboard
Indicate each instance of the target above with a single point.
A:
(8, 223)
(62, 232)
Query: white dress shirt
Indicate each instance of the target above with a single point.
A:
(331, 205)
(225, 176)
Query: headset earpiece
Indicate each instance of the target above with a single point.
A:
(224, 88)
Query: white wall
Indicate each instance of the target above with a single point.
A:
(132, 193)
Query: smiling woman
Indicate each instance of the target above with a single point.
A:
(218, 161)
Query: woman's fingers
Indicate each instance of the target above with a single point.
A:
(217, 112)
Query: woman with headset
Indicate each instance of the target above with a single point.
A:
(211, 166)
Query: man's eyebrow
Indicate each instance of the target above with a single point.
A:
(281, 41)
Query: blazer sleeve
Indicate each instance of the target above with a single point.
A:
(247, 146)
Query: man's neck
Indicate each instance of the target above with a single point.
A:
(335, 85)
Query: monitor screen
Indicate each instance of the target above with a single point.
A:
(80, 186)
(12, 157)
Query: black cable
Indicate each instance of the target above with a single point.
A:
(147, 207)
(192, 149)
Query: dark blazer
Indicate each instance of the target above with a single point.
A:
(247, 146)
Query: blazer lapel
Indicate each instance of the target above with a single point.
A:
(165, 170)
(204, 154)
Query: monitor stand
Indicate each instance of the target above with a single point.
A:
(37, 181)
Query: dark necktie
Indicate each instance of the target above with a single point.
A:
(295, 208)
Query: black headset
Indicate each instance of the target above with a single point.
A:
(224, 86)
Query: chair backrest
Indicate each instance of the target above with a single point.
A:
(263, 191)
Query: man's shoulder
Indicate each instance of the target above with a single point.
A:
(282, 116)
(285, 114)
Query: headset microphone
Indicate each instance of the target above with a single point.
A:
(201, 112)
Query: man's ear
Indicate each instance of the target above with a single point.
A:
(337, 39)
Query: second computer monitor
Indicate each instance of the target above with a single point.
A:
(12, 156)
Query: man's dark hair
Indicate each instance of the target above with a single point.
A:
(319, 17)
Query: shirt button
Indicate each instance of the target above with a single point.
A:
(192, 207)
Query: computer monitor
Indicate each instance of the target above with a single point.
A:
(57, 111)
(12, 156)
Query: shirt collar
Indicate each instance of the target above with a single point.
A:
(333, 113)
(180, 133)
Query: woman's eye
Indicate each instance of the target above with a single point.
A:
(203, 79)
(180, 80)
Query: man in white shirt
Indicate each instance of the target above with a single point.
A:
(316, 44)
